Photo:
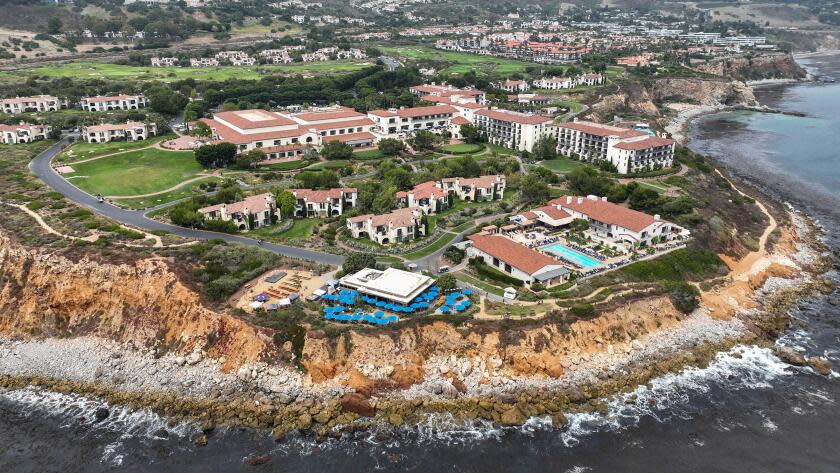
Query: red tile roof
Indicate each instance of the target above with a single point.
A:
(650, 142)
(232, 136)
(256, 118)
(514, 117)
(343, 112)
(508, 251)
(605, 212)
(459, 120)
(321, 195)
(428, 190)
(552, 212)
(599, 129)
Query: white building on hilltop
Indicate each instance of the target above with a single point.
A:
(23, 133)
(35, 103)
(513, 130)
(629, 150)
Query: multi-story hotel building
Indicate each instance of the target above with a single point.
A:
(407, 120)
(513, 130)
(629, 150)
(102, 103)
(35, 103)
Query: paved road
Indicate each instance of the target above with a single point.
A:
(429, 262)
(40, 167)
(390, 62)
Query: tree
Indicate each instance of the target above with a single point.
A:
(545, 148)
(357, 262)
(588, 181)
(447, 282)
(218, 155)
(336, 150)
(579, 225)
(250, 159)
(317, 179)
(424, 140)
(391, 146)
(164, 100)
(470, 134)
(54, 25)
(533, 189)
(286, 203)
(201, 129)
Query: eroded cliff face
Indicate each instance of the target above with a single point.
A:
(776, 66)
(142, 304)
(635, 98)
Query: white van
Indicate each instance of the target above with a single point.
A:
(443, 269)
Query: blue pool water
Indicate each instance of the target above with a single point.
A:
(572, 256)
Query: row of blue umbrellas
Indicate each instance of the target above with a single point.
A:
(377, 319)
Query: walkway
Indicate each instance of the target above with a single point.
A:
(41, 167)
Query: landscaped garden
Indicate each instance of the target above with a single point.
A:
(138, 172)
(462, 148)
(81, 150)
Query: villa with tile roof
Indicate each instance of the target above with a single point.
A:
(428, 196)
(523, 263)
(35, 103)
(476, 189)
(514, 86)
(396, 226)
(324, 202)
(23, 133)
(247, 214)
(103, 103)
(129, 131)
(629, 150)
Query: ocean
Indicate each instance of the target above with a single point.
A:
(746, 412)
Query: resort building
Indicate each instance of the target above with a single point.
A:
(102, 103)
(523, 263)
(129, 131)
(392, 284)
(548, 215)
(396, 226)
(590, 79)
(164, 61)
(406, 120)
(23, 133)
(448, 94)
(204, 62)
(629, 150)
(617, 223)
(248, 214)
(324, 203)
(36, 103)
(476, 189)
(513, 130)
(291, 133)
(554, 83)
(428, 196)
(530, 99)
(514, 86)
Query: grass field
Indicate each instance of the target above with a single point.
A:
(135, 172)
(561, 164)
(462, 62)
(328, 165)
(368, 154)
(438, 244)
(652, 186)
(180, 193)
(283, 27)
(95, 70)
(479, 283)
(286, 165)
(462, 148)
(301, 229)
(81, 150)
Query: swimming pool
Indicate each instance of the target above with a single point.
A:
(580, 259)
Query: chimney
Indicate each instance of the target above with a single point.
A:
(656, 217)
(568, 199)
(580, 200)
(604, 198)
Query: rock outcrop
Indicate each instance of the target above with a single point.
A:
(771, 66)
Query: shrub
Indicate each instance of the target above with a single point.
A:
(34, 205)
(684, 296)
(583, 311)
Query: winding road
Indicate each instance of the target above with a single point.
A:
(42, 168)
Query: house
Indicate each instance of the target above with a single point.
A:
(590, 79)
(530, 99)
(23, 133)
(639, 60)
(520, 131)
(427, 196)
(129, 131)
(617, 223)
(449, 94)
(523, 263)
(514, 86)
(548, 215)
(554, 83)
(397, 226)
(164, 61)
(629, 150)
(324, 203)
(476, 189)
(35, 103)
(204, 62)
(102, 103)
(407, 120)
(248, 214)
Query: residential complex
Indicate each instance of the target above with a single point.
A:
(629, 150)
(397, 226)
(23, 133)
(514, 86)
(447, 94)
(164, 61)
(36, 103)
(247, 214)
(129, 131)
(428, 196)
(113, 102)
(476, 189)
(558, 83)
(324, 203)
(406, 120)
(526, 264)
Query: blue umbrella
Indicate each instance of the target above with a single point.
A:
(467, 292)
(379, 313)
(444, 308)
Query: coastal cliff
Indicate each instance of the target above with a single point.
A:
(774, 66)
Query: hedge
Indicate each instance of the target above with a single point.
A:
(484, 270)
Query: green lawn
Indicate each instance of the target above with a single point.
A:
(255, 27)
(285, 166)
(81, 150)
(301, 229)
(479, 283)
(501, 150)
(561, 164)
(462, 148)
(462, 62)
(145, 202)
(654, 187)
(368, 154)
(135, 172)
(328, 165)
(95, 70)
(438, 244)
